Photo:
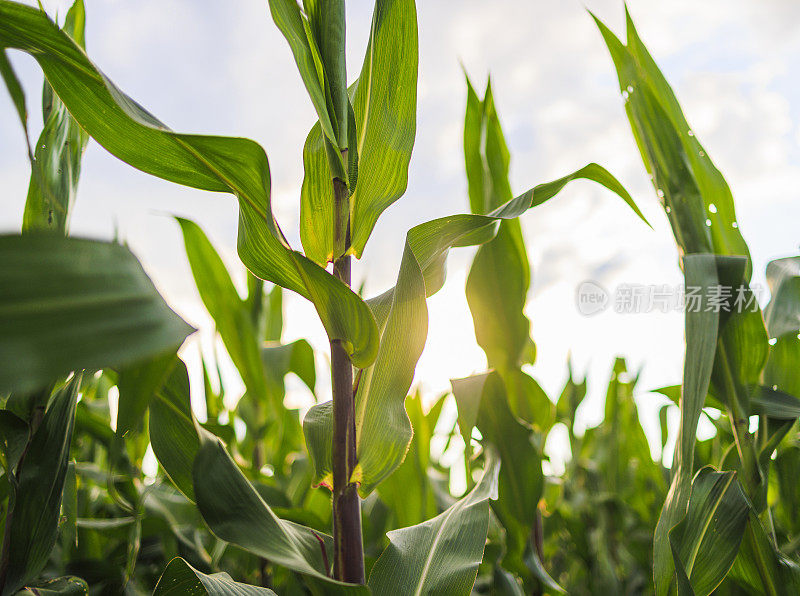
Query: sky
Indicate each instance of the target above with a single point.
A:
(223, 68)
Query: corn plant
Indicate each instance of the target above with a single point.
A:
(356, 165)
(507, 406)
(717, 528)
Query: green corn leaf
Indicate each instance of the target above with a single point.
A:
(230, 313)
(775, 403)
(58, 152)
(692, 190)
(300, 33)
(385, 108)
(701, 339)
(13, 438)
(34, 513)
(181, 579)
(760, 567)
(787, 475)
(781, 370)
(316, 38)
(14, 90)
(200, 467)
(235, 512)
(68, 304)
(137, 385)
(383, 430)
(62, 586)
(782, 314)
(223, 164)
(521, 479)
(500, 267)
(382, 427)
(384, 102)
(296, 357)
(408, 491)
(326, 21)
(441, 555)
(705, 544)
(174, 433)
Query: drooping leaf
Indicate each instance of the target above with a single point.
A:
(68, 304)
(181, 579)
(384, 111)
(422, 273)
(441, 555)
(223, 164)
(58, 152)
(33, 522)
(702, 324)
(706, 542)
(235, 512)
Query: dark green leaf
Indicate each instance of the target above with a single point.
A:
(62, 586)
(181, 579)
(236, 513)
(68, 304)
(33, 523)
(174, 432)
(13, 439)
(706, 542)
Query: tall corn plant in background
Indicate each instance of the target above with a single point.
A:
(356, 161)
(717, 527)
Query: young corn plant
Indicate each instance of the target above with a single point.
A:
(356, 165)
(508, 407)
(718, 529)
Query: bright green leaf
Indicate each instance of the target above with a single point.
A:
(441, 555)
